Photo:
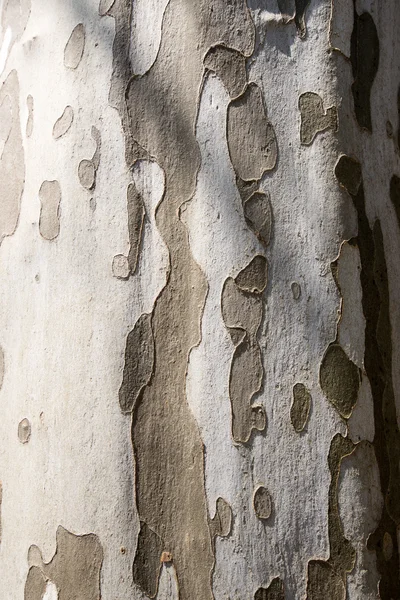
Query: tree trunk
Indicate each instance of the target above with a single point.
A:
(199, 264)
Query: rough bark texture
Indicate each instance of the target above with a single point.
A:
(199, 257)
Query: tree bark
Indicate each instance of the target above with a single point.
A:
(199, 228)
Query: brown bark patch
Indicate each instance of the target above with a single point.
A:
(300, 408)
(314, 118)
(74, 569)
(262, 503)
(242, 311)
(136, 216)
(251, 137)
(230, 66)
(139, 363)
(324, 582)
(275, 591)
(340, 379)
(258, 215)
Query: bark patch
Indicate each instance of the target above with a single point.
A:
(74, 569)
(300, 408)
(326, 579)
(365, 61)
(139, 363)
(230, 66)
(87, 169)
(251, 138)
(75, 46)
(29, 122)
(340, 380)
(242, 311)
(24, 431)
(12, 161)
(258, 215)
(262, 503)
(63, 123)
(314, 118)
(136, 216)
(50, 198)
(275, 591)
(324, 582)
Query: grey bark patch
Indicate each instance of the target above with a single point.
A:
(275, 591)
(24, 431)
(136, 216)
(230, 66)
(314, 119)
(120, 267)
(105, 6)
(63, 123)
(139, 363)
(29, 122)
(258, 214)
(262, 503)
(50, 199)
(340, 379)
(75, 46)
(324, 582)
(87, 169)
(221, 523)
(300, 408)
(74, 569)
(12, 161)
(87, 173)
(147, 563)
(365, 62)
(251, 138)
(296, 290)
(96, 135)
